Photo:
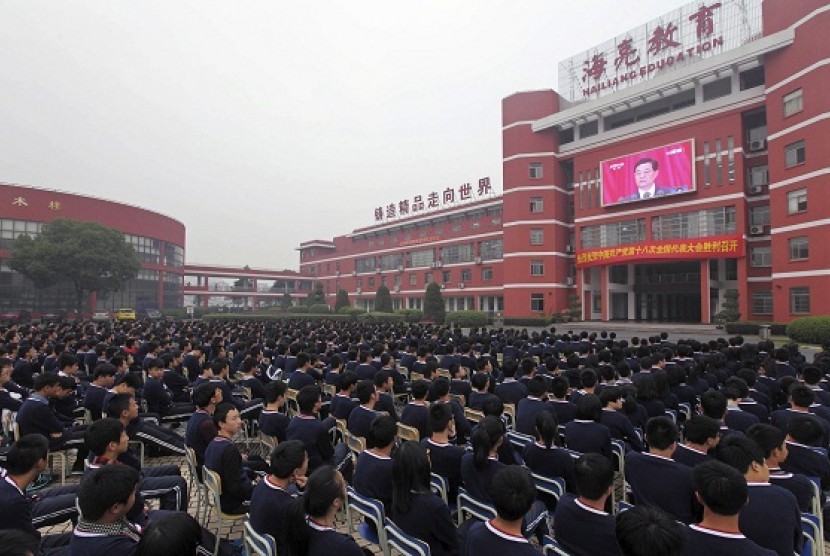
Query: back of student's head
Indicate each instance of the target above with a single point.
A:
(589, 407)
(410, 474)
(713, 404)
(420, 389)
(174, 534)
(381, 377)
(700, 428)
(559, 386)
(382, 431)
(26, 453)
(440, 415)
(509, 367)
(537, 387)
(802, 395)
(347, 380)
(118, 404)
(101, 433)
(767, 437)
(203, 394)
(484, 438)
(440, 388)
(492, 406)
(274, 391)
(45, 380)
(588, 378)
(546, 428)
(740, 452)
(811, 374)
(479, 381)
(610, 394)
(648, 531)
(661, 433)
(324, 486)
(512, 492)
(593, 475)
(104, 487)
(720, 487)
(18, 543)
(286, 457)
(364, 391)
(805, 429)
(307, 398)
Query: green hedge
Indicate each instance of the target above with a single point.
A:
(319, 309)
(380, 317)
(468, 319)
(753, 328)
(527, 321)
(296, 309)
(274, 317)
(812, 330)
(410, 315)
(351, 311)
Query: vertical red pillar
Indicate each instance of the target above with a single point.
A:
(705, 312)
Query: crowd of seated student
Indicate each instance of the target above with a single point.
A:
(745, 403)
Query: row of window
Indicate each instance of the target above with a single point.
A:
(799, 301)
(465, 275)
(798, 249)
(453, 254)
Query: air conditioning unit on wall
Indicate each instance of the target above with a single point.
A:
(569, 281)
(757, 145)
(756, 230)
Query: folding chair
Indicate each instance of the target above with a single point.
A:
(810, 530)
(473, 415)
(372, 510)
(510, 415)
(816, 509)
(552, 548)
(623, 506)
(268, 442)
(519, 440)
(439, 485)
(618, 451)
(256, 544)
(291, 406)
(195, 484)
(468, 504)
(554, 486)
(213, 483)
(460, 398)
(407, 432)
(140, 445)
(403, 543)
(330, 389)
(356, 444)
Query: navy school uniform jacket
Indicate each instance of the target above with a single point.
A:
(387, 404)
(325, 541)
(550, 462)
(804, 460)
(689, 456)
(341, 406)
(314, 434)
(373, 477)
(256, 386)
(621, 428)
(268, 505)
(477, 480)
(565, 411)
(483, 539)
(273, 423)
(36, 416)
(662, 483)
(416, 415)
(365, 371)
(446, 461)
(158, 397)
(798, 484)
(588, 437)
(476, 399)
(526, 413)
(177, 383)
(94, 400)
(511, 391)
(755, 408)
(95, 544)
(781, 419)
(463, 428)
(429, 519)
(771, 518)
(15, 508)
(700, 540)
(584, 531)
(299, 379)
(739, 420)
(198, 433)
(360, 419)
(223, 456)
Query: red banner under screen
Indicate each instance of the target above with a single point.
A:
(666, 170)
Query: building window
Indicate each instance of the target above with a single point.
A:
(797, 201)
(537, 204)
(490, 250)
(795, 154)
(457, 254)
(799, 300)
(427, 277)
(537, 302)
(761, 256)
(413, 279)
(799, 248)
(466, 275)
(446, 276)
(762, 303)
(537, 268)
(759, 215)
(793, 103)
(486, 274)
(535, 171)
(537, 236)
(371, 282)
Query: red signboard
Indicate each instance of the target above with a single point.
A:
(717, 247)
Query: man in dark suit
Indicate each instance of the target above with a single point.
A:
(645, 173)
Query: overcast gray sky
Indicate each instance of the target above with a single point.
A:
(261, 124)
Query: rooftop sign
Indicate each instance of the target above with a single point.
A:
(421, 204)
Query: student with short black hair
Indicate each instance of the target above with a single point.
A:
(480, 383)
(528, 407)
(803, 433)
(583, 527)
(656, 479)
(105, 497)
(342, 403)
(773, 443)
(445, 456)
(18, 543)
(102, 380)
(585, 434)
(273, 494)
(416, 412)
(510, 390)
(223, 457)
(618, 424)
(312, 432)
(802, 400)
(373, 470)
(384, 384)
(647, 531)
(513, 494)
(564, 409)
(272, 421)
(415, 509)
(722, 491)
(174, 534)
(362, 416)
(701, 434)
(124, 408)
(200, 427)
(771, 517)
(441, 395)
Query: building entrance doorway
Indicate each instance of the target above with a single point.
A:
(667, 292)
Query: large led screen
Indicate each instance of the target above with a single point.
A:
(666, 170)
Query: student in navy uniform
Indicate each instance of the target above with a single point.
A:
(11, 395)
(302, 376)
(384, 384)
(565, 410)
(646, 531)
(479, 466)
(373, 470)
(701, 434)
(415, 509)
(200, 427)
(124, 408)
(463, 428)
(585, 434)
(272, 421)
(362, 416)
(618, 424)
(158, 397)
(25, 461)
(273, 494)
(365, 370)
(335, 372)
(250, 369)
(745, 402)
(513, 494)
(803, 433)
(583, 527)
(771, 517)
(544, 458)
(480, 383)
(416, 412)
(175, 534)
(459, 384)
(310, 519)
(723, 492)
(104, 498)
(342, 403)
(445, 456)
(801, 399)
(772, 443)
(312, 432)
(37, 417)
(656, 479)
(510, 390)
(102, 380)
(736, 418)
(223, 457)
(529, 407)
(173, 378)
(248, 409)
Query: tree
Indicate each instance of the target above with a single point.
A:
(342, 300)
(286, 301)
(317, 296)
(434, 304)
(88, 255)
(731, 308)
(383, 300)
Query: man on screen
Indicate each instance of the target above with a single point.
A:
(645, 173)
